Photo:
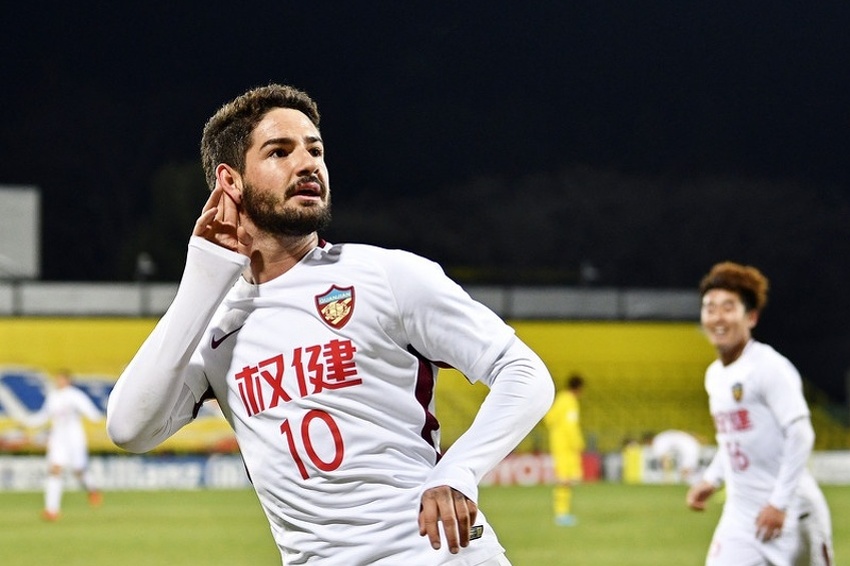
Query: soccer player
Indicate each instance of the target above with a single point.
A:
(764, 435)
(677, 450)
(566, 444)
(323, 358)
(63, 410)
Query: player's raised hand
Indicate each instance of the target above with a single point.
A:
(454, 510)
(219, 223)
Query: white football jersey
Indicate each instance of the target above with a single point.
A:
(65, 408)
(752, 401)
(327, 375)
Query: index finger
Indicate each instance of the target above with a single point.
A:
(214, 198)
(208, 213)
(428, 517)
(230, 211)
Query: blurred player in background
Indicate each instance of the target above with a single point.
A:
(63, 410)
(324, 357)
(774, 509)
(566, 445)
(678, 452)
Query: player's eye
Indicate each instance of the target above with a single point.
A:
(317, 151)
(279, 152)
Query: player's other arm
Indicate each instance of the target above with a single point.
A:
(521, 391)
(87, 408)
(712, 479)
(785, 399)
(799, 440)
(444, 323)
(158, 391)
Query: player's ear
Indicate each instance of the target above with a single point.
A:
(230, 181)
(752, 317)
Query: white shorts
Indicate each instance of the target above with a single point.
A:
(735, 545)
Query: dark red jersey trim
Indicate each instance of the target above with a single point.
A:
(208, 394)
(425, 384)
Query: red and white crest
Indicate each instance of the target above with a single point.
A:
(336, 305)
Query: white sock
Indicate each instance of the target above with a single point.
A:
(53, 494)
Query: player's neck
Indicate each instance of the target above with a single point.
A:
(731, 354)
(271, 257)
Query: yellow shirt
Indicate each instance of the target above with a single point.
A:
(562, 420)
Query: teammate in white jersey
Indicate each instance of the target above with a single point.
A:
(764, 436)
(324, 357)
(63, 410)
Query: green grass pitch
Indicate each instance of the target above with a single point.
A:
(618, 525)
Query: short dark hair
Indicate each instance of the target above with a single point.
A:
(575, 382)
(227, 134)
(744, 280)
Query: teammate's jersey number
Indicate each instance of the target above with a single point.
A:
(307, 442)
(737, 459)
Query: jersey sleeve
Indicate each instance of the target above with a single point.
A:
(715, 472)
(799, 439)
(782, 389)
(159, 390)
(86, 406)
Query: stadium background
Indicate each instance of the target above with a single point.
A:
(643, 377)
(601, 147)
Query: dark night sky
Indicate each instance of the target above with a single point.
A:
(413, 93)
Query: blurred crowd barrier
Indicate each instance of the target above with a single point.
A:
(227, 471)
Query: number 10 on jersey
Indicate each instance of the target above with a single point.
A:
(302, 443)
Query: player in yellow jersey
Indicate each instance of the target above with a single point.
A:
(566, 444)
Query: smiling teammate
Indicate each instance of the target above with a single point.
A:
(764, 436)
(323, 358)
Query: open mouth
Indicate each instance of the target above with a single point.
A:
(310, 189)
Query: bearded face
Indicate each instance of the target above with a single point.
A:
(282, 216)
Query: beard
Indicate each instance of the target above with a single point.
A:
(267, 213)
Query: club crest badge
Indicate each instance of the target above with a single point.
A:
(738, 392)
(336, 305)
